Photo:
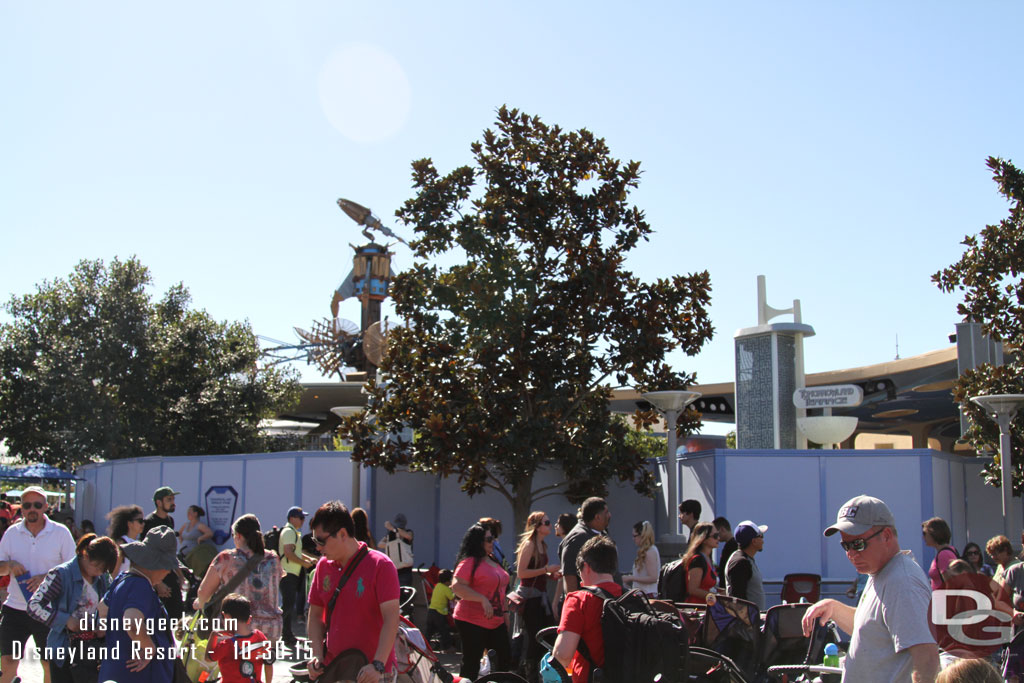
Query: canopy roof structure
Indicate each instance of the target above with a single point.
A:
(35, 472)
(906, 396)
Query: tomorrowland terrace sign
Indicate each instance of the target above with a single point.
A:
(833, 396)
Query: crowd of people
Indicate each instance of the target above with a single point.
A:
(100, 606)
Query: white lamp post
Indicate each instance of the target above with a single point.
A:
(671, 404)
(1003, 407)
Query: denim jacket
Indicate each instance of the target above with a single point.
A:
(55, 601)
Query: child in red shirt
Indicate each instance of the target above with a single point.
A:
(244, 654)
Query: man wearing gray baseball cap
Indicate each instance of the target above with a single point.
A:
(890, 636)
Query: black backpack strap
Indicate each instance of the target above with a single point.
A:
(360, 554)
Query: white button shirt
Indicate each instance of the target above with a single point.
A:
(53, 545)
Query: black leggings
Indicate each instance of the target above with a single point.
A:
(476, 639)
(536, 617)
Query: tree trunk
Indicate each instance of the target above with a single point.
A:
(521, 502)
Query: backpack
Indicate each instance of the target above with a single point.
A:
(672, 581)
(649, 645)
(271, 540)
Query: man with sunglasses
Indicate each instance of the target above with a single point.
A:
(30, 548)
(890, 636)
(364, 615)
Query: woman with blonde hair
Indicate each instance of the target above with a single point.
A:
(533, 570)
(647, 564)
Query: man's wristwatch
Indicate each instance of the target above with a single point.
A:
(378, 666)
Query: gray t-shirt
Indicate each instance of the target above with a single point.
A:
(743, 579)
(1013, 579)
(891, 617)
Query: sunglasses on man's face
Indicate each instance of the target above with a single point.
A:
(321, 541)
(37, 506)
(858, 544)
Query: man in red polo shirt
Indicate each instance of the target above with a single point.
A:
(581, 613)
(365, 615)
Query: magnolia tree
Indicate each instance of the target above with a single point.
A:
(510, 349)
(990, 276)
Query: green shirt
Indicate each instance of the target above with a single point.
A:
(290, 536)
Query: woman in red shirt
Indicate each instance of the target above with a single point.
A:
(701, 577)
(481, 585)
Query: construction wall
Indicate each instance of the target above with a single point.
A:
(798, 493)
(268, 484)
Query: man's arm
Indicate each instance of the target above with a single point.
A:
(823, 610)
(565, 647)
(388, 631)
(925, 657)
(315, 635)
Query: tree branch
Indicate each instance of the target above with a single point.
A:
(547, 495)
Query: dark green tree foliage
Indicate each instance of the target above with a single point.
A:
(508, 356)
(91, 368)
(990, 275)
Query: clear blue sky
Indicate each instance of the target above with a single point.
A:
(837, 148)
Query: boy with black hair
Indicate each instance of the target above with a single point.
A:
(729, 546)
(581, 614)
(244, 653)
(440, 605)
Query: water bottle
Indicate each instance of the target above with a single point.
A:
(831, 655)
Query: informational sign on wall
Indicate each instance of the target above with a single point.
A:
(835, 396)
(221, 502)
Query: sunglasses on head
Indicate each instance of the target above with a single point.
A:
(858, 544)
(37, 506)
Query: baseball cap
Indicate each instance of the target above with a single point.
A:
(295, 511)
(163, 492)
(746, 531)
(859, 514)
(38, 490)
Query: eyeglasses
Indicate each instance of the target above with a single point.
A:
(321, 541)
(715, 535)
(858, 544)
(37, 506)
(546, 522)
(140, 520)
(488, 539)
(973, 552)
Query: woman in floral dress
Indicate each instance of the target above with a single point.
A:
(260, 586)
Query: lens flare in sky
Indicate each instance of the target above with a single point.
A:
(364, 93)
